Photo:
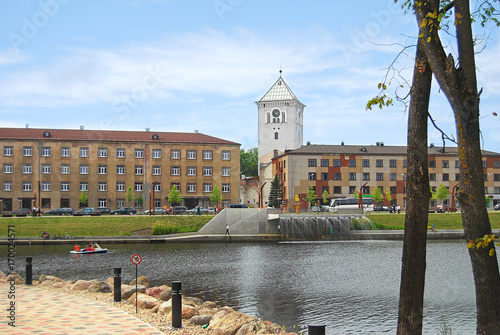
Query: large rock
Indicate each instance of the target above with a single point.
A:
(201, 320)
(141, 280)
(16, 277)
(221, 312)
(209, 304)
(157, 290)
(230, 324)
(191, 301)
(166, 294)
(110, 281)
(131, 290)
(80, 285)
(143, 301)
(101, 287)
(165, 308)
(44, 278)
(188, 311)
(260, 327)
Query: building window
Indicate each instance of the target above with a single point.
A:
(207, 154)
(446, 177)
(405, 163)
(392, 189)
(485, 177)
(120, 187)
(191, 171)
(324, 163)
(336, 162)
(157, 187)
(191, 187)
(337, 189)
(46, 152)
(157, 153)
(191, 154)
(175, 154)
(84, 169)
(446, 164)
(379, 163)
(366, 163)
(102, 203)
(496, 177)
(457, 177)
(226, 188)
(324, 175)
(27, 151)
(366, 176)
(120, 153)
(392, 163)
(207, 171)
(432, 163)
(120, 169)
(156, 170)
(7, 168)
(312, 163)
(46, 186)
(65, 152)
(496, 164)
(268, 117)
(432, 177)
(380, 176)
(102, 152)
(138, 170)
(337, 176)
(103, 169)
(325, 188)
(84, 152)
(120, 203)
(139, 153)
(102, 186)
(366, 190)
(26, 186)
(496, 190)
(312, 176)
(226, 155)
(392, 176)
(64, 168)
(8, 151)
(27, 168)
(175, 171)
(484, 165)
(352, 176)
(138, 187)
(84, 186)
(176, 185)
(7, 186)
(352, 189)
(65, 186)
(352, 162)
(226, 172)
(207, 187)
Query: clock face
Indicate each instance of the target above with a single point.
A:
(276, 113)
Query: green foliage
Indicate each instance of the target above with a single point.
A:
(377, 195)
(311, 196)
(275, 199)
(325, 197)
(388, 196)
(216, 196)
(140, 200)
(129, 195)
(442, 192)
(174, 196)
(488, 200)
(83, 199)
(249, 162)
(176, 226)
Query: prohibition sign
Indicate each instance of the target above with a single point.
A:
(136, 259)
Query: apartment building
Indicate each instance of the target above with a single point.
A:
(341, 169)
(52, 167)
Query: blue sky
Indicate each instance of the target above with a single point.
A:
(174, 65)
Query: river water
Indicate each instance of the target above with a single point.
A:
(350, 286)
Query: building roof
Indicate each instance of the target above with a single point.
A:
(279, 91)
(108, 136)
(379, 149)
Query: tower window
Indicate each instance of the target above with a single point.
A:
(276, 135)
(268, 117)
(283, 117)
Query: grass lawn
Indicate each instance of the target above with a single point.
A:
(96, 225)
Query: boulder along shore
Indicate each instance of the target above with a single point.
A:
(155, 308)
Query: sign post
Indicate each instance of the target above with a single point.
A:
(136, 260)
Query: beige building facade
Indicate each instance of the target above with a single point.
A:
(50, 168)
(340, 170)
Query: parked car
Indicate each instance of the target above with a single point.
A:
(59, 211)
(203, 210)
(443, 208)
(179, 209)
(22, 211)
(211, 210)
(124, 210)
(380, 208)
(84, 211)
(238, 206)
(496, 207)
(104, 210)
(157, 211)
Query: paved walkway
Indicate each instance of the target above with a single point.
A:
(46, 312)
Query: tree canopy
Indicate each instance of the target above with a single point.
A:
(249, 162)
(276, 193)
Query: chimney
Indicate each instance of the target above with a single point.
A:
(147, 129)
(431, 145)
(82, 127)
(27, 125)
(342, 143)
(196, 131)
(308, 142)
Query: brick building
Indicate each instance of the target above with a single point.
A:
(51, 167)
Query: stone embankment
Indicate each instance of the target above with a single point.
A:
(154, 306)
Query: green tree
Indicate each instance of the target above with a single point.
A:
(488, 201)
(388, 196)
(442, 192)
(377, 195)
(174, 196)
(140, 200)
(249, 162)
(275, 199)
(129, 195)
(216, 196)
(311, 196)
(325, 197)
(83, 199)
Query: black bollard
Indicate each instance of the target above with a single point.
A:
(176, 304)
(316, 330)
(29, 271)
(117, 285)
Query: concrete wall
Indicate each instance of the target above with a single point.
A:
(241, 221)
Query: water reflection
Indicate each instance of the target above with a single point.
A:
(352, 286)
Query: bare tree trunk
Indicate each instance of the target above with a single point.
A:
(460, 87)
(411, 298)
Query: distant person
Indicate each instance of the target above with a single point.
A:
(279, 228)
(198, 211)
(399, 209)
(227, 229)
(77, 247)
